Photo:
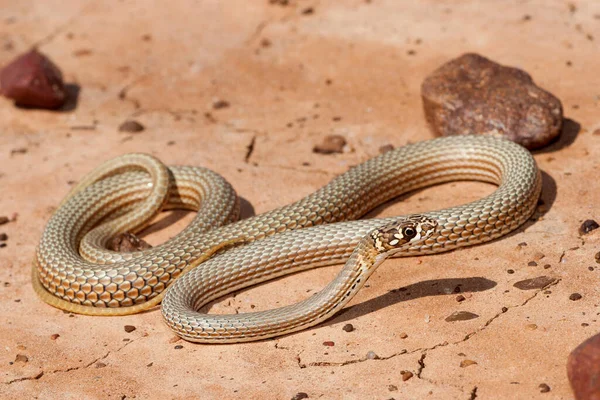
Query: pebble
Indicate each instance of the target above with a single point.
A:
(372, 356)
(4, 220)
(403, 335)
(131, 126)
(474, 95)
(329, 343)
(129, 328)
(575, 296)
(588, 226)
(460, 298)
(544, 388)
(100, 365)
(461, 316)
(532, 264)
(300, 396)
(178, 347)
(583, 369)
(406, 375)
(32, 80)
(331, 144)
(21, 358)
(348, 328)
(597, 257)
(392, 388)
(466, 363)
(127, 243)
(3, 237)
(219, 104)
(54, 336)
(534, 283)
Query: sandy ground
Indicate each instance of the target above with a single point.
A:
(293, 74)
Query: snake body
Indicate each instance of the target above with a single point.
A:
(74, 271)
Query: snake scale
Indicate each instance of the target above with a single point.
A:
(216, 254)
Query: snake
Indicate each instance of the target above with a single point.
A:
(217, 254)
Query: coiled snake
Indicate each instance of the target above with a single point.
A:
(74, 271)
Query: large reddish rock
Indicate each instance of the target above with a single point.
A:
(583, 369)
(474, 95)
(33, 80)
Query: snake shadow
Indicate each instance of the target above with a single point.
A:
(434, 287)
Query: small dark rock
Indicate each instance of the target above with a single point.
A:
(219, 104)
(532, 264)
(308, 11)
(392, 388)
(510, 271)
(4, 220)
(329, 343)
(406, 375)
(127, 242)
(461, 316)
(178, 347)
(534, 283)
(331, 144)
(474, 95)
(403, 335)
(588, 226)
(54, 336)
(460, 298)
(3, 237)
(575, 296)
(300, 396)
(32, 80)
(100, 365)
(348, 328)
(385, 148)
(583, 369)
(131, 126)
(129, 328)
(544, 388)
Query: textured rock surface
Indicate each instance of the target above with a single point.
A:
(349, 59)
(583, 369)
(33, 80)
(474, 95)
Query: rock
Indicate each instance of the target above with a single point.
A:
(461, 316)
(371, 355)
(100, 365)
(348, 328)
(583, 369)
(588, 226)
(331, 144)
(178, 347)
(21, 358)
(466, 363)
(4, 220)
(217, 105)
(406, 375)
(329, 343)
(127, 242)
(3, 237)
(544, 388)
(54, 336)
(392, 388)
(300, 396)
(129, 328)
(474, 95)
(534, 283)
(131, 126)
(33, 80)
(575, 296)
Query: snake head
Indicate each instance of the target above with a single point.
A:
(403, 233)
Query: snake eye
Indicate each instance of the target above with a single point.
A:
(408, 232)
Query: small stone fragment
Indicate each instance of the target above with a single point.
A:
(129, 328)
(300, 396)
(178, 347)
(127, 242)
(460, 298)
(474, 95)
(4, 220)
(329, 343)
(100, 365)
(33, 80)
(3, 237)
(588, 226)
(406, 375)
(531, 327)
(544, 388)
(21, 358)
(331, 144)
(54, 336)
(534, 283)
(597, 257)
(510, 271)
(385, 148)
(575, 296)
(461, 316)
(219, 104)
(392, 388)
(532, 264)
(583, 369)
(466, 363)
(372, 356)
(348, 328)
(403, 335)
(131, 126)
